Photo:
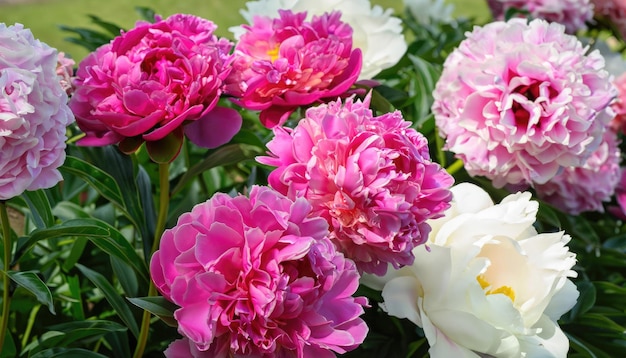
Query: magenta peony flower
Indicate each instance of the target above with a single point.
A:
(518, 101)
(370, 177)
(257, 277)
(288, 62)
(151, 81)
(573, 14)
(33, 113)
(579, 189)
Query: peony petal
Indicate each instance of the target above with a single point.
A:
(215, 128)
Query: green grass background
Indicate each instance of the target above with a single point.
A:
(44, 16)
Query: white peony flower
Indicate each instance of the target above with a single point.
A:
(486, 283)
(428, 11)
(376, 32)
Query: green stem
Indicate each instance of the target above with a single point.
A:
(454, 167)
(6, 297)
(441, 156)
(164, 202)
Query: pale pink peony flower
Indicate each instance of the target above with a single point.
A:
(33, 113)
(258, 277)
(370, 177)
(618, 123)
(65, 71)
(151, 81)
(614, 11)
(573, 14)
(518, 101)
(287, 62)
(584, 188)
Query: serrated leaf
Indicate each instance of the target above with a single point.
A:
(31, 282)
(113, 297)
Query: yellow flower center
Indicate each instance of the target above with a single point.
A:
(505, 290)
(273, 53)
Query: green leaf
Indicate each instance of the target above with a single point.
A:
(76, 304)
(158, 306)
(8, 350)
(586, 300)
(548, 215)
(31, 282)
(67, 353)
(423, 84)
(39, 206)
(616, 243)
(110, 27)
(77, 251)
(585, 348)
(146, 13)
(65, 229)
(103, 235)
(224, 155)
(102, 182)
(113, 297)
(126, 275)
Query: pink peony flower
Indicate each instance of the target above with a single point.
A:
(618, 123)
(584, 188)
(573, 14)
(287, 62)
(614, 11)
(65, 71)
(151, 81)
(370, 177)
(33, 113)
(258, 277)
(518, 101)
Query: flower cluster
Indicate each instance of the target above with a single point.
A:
(154, 80)
(33, 113)
(488, 283)
(287, 62)
(256, 276)
(370, 177)
(519, 101)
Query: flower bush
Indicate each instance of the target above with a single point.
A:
(323, 182)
